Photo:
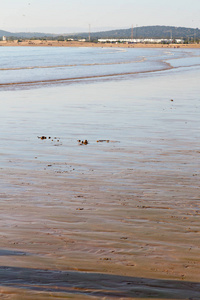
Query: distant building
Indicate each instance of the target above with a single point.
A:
(4, 38)
(131, 41)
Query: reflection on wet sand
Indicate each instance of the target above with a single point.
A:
(90, 285)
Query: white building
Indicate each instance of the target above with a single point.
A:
(4, 38)
(148, 41)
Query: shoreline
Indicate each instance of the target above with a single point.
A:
(39, 43)
(92, 77)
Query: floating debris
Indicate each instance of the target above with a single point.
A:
(85, 142)
(101, 141)
(171, 100)
(42, 137)
(107, 141)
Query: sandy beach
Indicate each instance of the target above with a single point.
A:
(113, 219)
(47, 43)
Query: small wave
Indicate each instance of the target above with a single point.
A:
(72, 65)
(49, 81)
(114, 51)
(168, 52)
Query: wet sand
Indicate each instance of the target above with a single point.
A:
(90, 224)
(39, 43)
(104, 220)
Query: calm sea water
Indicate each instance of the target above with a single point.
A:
(135, 111)
(44, 64)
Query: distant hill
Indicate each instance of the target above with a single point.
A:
(138, 32)
(6, 33)
(147, 32)
(29, 35)
(25, 35)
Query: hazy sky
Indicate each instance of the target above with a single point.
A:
(76, 15)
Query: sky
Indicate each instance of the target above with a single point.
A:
(69, 16)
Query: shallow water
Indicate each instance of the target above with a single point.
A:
(135, 113)
(43, 64)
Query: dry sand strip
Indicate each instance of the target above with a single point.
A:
(91, 285)
(39, 43)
